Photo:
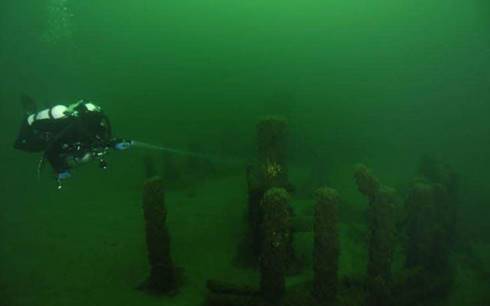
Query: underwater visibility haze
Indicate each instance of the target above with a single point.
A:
(315, 152)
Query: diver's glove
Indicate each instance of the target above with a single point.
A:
(62, 176)
(123, 145)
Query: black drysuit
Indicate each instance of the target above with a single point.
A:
(67, 139)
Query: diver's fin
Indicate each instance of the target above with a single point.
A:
(28, 104)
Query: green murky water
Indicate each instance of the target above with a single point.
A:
(377, 82)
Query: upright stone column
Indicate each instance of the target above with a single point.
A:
(420, 217)
(272, 136)
(382, 234)
(367, 184)
(326, 247)
(163, 276)
(276, 228)
(429, 241)
(446, 183)
(270, 171)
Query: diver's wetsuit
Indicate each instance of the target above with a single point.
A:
(69, 136)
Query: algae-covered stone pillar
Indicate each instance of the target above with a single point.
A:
(420, 221)
(428, 237)
(272, 142)
(270, 171)
(367, 183)
(326, 247)
(382, 229)
(276, 228)
(382, 234)
(446, 183)
(163, 276)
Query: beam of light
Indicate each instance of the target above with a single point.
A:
(213, 158)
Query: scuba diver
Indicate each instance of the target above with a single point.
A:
(68, 136)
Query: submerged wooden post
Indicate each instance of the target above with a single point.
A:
(163, 276)
(272, 140)
(270, 171)
(276, 229)
(381, 226)
(421, 219)
(367, 183)
(429, 239)
(381, 247)
(326, 247)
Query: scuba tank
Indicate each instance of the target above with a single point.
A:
(38, 129)
(41, 128)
